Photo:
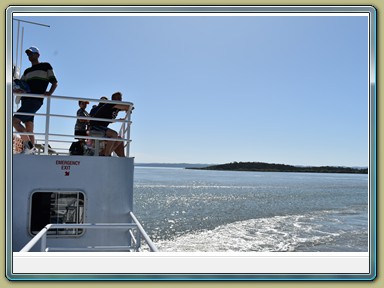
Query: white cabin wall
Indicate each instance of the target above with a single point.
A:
(107, 183)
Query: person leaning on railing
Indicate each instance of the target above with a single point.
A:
(37, 77)
(109, 111)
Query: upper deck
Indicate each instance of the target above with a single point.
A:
(77, 202)
(55, 121)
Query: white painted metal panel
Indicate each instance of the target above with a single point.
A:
(107, 183)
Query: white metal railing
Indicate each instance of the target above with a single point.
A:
(152, 246)
(134, 246)
(48, 137)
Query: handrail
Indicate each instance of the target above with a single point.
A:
(151, 245)
(42, 235)
(47, 136)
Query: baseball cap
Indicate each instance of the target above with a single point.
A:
(81, 101)
(33, 49)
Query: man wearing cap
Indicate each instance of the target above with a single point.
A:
(38, 77)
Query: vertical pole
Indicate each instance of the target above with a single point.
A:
(138, 243)
(123, 133)
(17, 44)
(128, 131)
(43, 242)
(47, 119)
(21, 50)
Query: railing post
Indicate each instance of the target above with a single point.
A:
(43, 243)
(151, 245)
(138, 242)
(127, 136)
(47, 119)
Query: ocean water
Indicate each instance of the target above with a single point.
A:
(220, 211)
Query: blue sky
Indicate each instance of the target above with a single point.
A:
(276, 89)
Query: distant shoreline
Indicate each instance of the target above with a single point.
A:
(172, 165)
(267, 167)
(259, 167)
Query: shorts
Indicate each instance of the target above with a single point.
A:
(28, 105)
(103, 129)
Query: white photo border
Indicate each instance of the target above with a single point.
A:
(16, 263)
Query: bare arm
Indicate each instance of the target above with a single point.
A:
(122, 106)
(53, 88)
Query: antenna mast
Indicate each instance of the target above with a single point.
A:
(16, 68)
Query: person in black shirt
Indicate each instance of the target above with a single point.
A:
(37, 77)
(97, 107)
(110, 111)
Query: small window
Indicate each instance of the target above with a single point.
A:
(57, 208)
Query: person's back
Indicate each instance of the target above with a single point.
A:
(95, 108)
(106, 111)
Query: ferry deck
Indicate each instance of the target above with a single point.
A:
(63, 202)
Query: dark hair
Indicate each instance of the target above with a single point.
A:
(116, 94)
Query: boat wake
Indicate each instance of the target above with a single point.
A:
(306, 233)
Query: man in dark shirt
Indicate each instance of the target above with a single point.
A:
(97, 107)
(110, 111)
(38, 77)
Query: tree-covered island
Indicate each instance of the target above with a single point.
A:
(267, 167)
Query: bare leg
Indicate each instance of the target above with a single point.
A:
(29, 128)
(20, 128)
(110, 144)
(108, 148)
(118, 148)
